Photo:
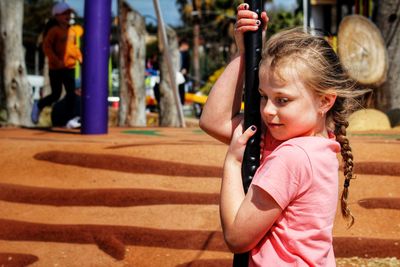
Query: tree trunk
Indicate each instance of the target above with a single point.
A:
(168, 112)
(196, 44)
(15, 91)
(388, 21)
(132, 110)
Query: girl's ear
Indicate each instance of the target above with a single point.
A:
(326, 102)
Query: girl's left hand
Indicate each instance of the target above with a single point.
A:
(248, 20)
(239, 141)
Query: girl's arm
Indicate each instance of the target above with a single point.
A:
(49, 42)
(245, 218)
(221, 113)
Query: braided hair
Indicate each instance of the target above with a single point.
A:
(339, 114)
(325, 75)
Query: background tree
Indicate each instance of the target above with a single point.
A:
(168, 112)
(208, 23)
(15, 93)
(132, 110)
(216, 20)
(388, 21)
(283, 19)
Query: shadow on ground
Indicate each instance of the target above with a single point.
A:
(129, 164)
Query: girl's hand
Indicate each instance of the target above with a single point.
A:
(238, 143)
(247, 20)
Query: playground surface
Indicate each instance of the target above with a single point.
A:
(149, 197)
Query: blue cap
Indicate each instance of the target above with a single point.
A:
(60, 8)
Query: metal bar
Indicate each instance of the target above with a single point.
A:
(95, 67)
(252, 116)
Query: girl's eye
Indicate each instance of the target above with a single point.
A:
(282, 100)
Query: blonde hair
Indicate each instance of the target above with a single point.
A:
(325, 74)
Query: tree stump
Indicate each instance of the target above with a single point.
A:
(15, 92)
(362, 50)
(168, 112)
(132, 68)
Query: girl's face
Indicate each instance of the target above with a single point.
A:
(289, 109)
(64, 17)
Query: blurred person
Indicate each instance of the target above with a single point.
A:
(184, 68)
(61, 118)
(60, 47)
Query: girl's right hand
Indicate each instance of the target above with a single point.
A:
(247, 20)
(238, 143)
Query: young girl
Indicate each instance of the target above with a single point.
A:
(287, 216)
(60, 47)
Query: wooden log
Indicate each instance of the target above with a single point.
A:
(15, 92)
(362, 50)
(169, 114)
(132, 109)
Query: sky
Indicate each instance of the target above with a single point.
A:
(169, 9)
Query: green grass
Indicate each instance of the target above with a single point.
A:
(143, 132)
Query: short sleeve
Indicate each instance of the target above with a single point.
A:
(284, 174)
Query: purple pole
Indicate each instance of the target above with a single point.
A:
(95, 66)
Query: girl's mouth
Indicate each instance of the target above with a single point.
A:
(274, 125)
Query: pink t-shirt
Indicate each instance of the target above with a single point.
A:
(301, 174)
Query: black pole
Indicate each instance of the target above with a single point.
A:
(252, 116)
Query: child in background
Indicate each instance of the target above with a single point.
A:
(61, 118)
(286, 218)
(59, 46)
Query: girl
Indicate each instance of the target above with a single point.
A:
(60, 47)
(287, 216)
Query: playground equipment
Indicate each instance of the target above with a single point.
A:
(252, 116)
(95, 67)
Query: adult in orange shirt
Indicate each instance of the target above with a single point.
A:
(59, 46)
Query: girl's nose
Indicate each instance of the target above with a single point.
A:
(269, 108)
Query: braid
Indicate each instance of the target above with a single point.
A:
(339, 113)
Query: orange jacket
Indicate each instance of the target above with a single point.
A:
(59, 45)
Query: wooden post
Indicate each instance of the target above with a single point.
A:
(132, 108)
(196, 44)
(167, 57)
(15, 92)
